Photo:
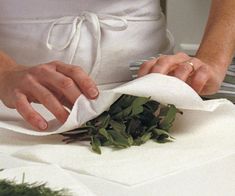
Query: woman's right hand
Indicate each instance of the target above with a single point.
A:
(54, 85)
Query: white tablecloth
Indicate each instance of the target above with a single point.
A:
(214, 178)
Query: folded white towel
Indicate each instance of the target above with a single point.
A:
(164, 89)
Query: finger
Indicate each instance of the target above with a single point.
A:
(167, 63)
(60, 83)
(184, 70)
(28, 113)
(45, 97)
(67, 104)
(61, 98)
(85, 83)
(146, 67)
(199, 79)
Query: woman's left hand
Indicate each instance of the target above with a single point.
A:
(204, 78)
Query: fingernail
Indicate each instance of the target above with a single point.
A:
(42, 125)
(93, 92)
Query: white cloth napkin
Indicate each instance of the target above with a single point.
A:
(164, 89)
(53, 176)
(204, 133)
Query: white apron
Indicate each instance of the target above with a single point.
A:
(102, 36)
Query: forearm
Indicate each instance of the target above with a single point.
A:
(6, 63)
(218, 43)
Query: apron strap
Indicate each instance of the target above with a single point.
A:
(105, 21)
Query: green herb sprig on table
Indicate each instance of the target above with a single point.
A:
(129, 121)
(10, 188)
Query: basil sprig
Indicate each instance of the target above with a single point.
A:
(129, 121)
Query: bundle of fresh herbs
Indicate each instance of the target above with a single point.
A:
(10, 188)
(129, 121)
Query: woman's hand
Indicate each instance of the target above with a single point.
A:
(54, 85)
(204, 78)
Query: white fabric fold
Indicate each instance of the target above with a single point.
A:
(164, 89)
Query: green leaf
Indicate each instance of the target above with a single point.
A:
(119, 140)
(159, 132)
(95, 143)
(106, 120)
(107, 143)
(169, 113)
(114, 110)
(137, 105)
(163, 140)
(118, 126)
(162, 136)
(138, 141)
(151, 128)
(139, 101)
(148, 118)
(135, 127)
(123, 114)
(143, 139)
(152, 106)
(123, 102)
(116, 104)
(127, 101)
(137, 110)
(146, 137)
(106, 134)
(130, 140)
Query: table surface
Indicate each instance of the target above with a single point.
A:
(216, 178)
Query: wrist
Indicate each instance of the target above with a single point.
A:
(220, 62)
(7, 65)
(6, 62)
